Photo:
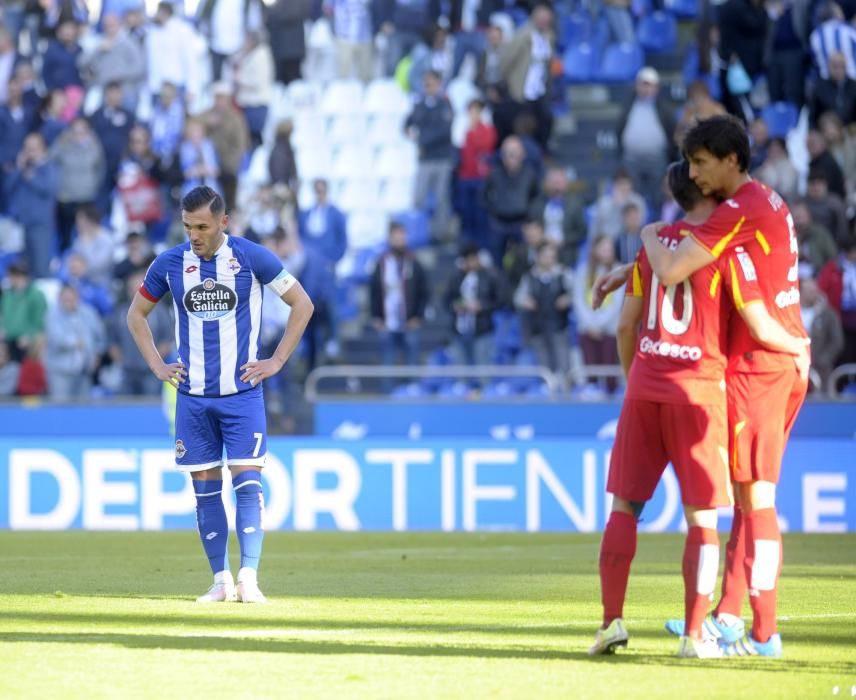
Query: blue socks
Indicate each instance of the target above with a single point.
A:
(248, 516)
(212, 523)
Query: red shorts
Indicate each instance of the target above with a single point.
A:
(693, 437)
(762, 408)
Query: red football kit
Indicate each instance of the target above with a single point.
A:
(765, 392)
(675, 407)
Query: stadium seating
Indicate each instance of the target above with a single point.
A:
(639, 8)
(367, 228)
(574, 28)
(346, 129)
(621, 63)
(386, 97)
(351, 161)
(309, 131)
(342, 97)
(314, 163)
(579, 63)
(396, 161)
(385, 129)
(460, 91)
(396, 194)
(358, 193)
(658, 32)
(781, 117)
(416, 224)
(303, 96)
(683, 9)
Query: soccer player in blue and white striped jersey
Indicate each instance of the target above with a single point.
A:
(216, 282)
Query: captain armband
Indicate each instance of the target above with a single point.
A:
(281, 283)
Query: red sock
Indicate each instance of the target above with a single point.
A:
(763, 565)
(734, 585)
(700, 567)
(617, 550)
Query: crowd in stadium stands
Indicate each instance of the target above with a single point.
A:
(109, 114)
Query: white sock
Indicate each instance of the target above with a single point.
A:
(224, 576)
(247, 575)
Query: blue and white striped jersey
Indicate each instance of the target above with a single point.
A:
(834, 36)
(218, 309)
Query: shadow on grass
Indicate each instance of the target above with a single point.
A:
(240, 621)
(799, 634)
(328, 647)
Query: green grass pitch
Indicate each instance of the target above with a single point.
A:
(111, 615)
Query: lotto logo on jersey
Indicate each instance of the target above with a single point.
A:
(210, 300)
(664, 348)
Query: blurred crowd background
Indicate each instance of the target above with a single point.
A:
(445, 177)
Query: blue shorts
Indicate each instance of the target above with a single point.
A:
(205, 426)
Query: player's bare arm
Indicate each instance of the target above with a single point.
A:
(628, 330)
(771, 334)
(301, 311)
(607, 283)
(138, 325)
(673, 266)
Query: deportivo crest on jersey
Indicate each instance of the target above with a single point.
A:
(234, 265)
(180, 449)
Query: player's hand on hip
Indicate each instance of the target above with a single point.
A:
(174, 373)
(259, 370)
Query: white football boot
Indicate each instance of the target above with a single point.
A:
(609, 639)
(221, 591)
(705, 648)
(248, 587)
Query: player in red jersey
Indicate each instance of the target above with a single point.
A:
(766, 388)
(674, 410)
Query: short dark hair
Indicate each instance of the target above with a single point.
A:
(630, 206)
(113, 85)
(165, 6)
(721, 135)
(431, 73)
(91, 212)
(621, 173)
(683, 189)
(200, 197)
(469, 249)
(396, 226)
(19, 267)
(817, 174)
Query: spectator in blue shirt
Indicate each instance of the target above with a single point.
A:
(167, 123)
(51, 119)
(59, 67)
(112, 124)
(30, 191)
(76, 275)
(15, 124)
(323, 227)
